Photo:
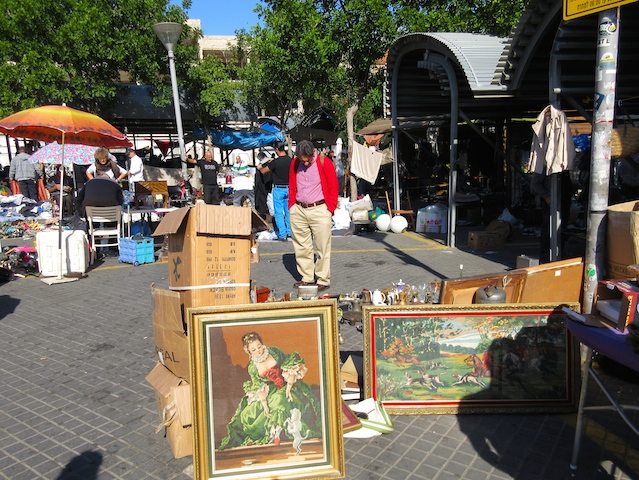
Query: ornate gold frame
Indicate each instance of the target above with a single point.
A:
(470, 359)
(218, 370)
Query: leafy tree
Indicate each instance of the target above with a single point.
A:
(290, 57)
(213, 88)
(496, 17)
(76, 50)
(344, 44)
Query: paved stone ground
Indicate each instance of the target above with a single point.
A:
(75, 403)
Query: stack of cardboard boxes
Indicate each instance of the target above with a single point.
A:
(209, 255)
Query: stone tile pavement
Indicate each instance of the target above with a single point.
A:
(74, 403)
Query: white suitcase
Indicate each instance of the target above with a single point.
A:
(75, 252)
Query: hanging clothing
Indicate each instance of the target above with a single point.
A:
(365, 163)
(552, 149)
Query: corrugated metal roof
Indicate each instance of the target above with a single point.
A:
(423, 87)
(477, 54)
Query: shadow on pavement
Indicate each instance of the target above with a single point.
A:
(85, 466)
(531, 368)
(8, 305)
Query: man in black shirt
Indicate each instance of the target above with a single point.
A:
(99, 192)
(280, 167)
(208, 170)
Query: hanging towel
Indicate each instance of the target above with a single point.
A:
(365, 163)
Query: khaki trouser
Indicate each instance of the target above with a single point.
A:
(312, 226)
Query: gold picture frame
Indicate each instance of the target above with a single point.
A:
(508, 358)
(266, 393)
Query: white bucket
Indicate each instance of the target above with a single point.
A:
(433, 219)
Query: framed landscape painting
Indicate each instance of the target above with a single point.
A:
(470, 359)
(266, 393)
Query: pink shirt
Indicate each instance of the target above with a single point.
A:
(309, 185)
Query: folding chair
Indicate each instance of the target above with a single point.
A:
(408, 214)
(105, 223)
(612, 344)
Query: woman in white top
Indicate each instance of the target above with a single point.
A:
(104, 167)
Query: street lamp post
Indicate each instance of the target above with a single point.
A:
(169, 33)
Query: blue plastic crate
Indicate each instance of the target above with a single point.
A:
(137, 251)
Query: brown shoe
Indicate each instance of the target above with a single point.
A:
(321, 288)
(302, 284)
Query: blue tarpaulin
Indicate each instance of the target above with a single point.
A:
(244, 140)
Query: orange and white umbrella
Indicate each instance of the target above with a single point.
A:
(62, 124)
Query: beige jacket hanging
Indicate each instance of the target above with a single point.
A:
(552, 149)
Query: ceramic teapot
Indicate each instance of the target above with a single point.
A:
(378, 298)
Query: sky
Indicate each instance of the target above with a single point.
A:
(223, 17)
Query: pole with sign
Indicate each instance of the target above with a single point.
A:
(602, 123)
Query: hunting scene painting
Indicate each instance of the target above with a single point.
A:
(445, 359)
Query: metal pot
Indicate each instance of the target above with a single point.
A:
(354, 312)
(490, 294)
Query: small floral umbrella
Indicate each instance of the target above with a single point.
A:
(73, 153)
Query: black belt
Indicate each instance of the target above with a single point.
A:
(280, 186)
(309, 205)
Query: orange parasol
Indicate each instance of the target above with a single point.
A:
(62, 124)
(59, 123)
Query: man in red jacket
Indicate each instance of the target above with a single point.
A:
(313, 191)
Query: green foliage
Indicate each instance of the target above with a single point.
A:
(289, 58)
(330, 51)
(75, 50)
(496, 17)
(211, 79)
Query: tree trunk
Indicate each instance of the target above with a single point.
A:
(350, 113)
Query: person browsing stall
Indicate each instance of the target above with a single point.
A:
(53, 187)
(240, 167)
(280, 169)
(312, 200)
(208, 170)
(262, 189)
(242, 183)
(136, 168)
(105, 167)
(25, 173)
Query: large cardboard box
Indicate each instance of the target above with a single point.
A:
(174, 405)
(617, 302)
(622, 239)
(209, 253)
(170, 331)
(486, 240)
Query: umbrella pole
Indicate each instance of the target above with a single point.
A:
(61, 189)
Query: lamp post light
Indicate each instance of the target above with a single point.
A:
(169, 33)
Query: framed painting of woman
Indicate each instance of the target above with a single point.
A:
(266, 393)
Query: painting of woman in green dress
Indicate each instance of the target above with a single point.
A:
(277, 404)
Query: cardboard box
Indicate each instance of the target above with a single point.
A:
(622, 239)
(619, 296)
(170, 331)
(174, 406)
(486, 240)
(209, 253)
